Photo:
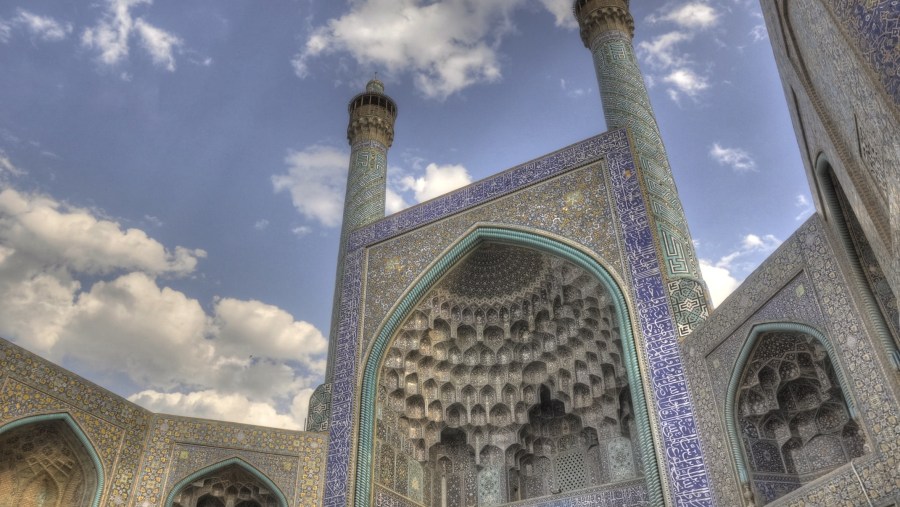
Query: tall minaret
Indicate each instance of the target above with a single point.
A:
(370, 133)
(607, 29)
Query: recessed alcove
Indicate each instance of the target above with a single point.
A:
(507, 382)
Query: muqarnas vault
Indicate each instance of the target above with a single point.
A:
(543, 337)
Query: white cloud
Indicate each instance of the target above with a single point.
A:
(437, 180)
(687, 82)
(754, 243)
(261, 224)
(446, 46)
(301, 231)
(53, 233)
(695, 15)
(112, 33)
(759, 33)
(736, 158)
(7, 167)
(661, 51)
(244, 355)
(723, 276)
(42, 27)
(719, 281)
(275, 333)
(394, 202)
(316, 179)
(159, 43)
(806, 208)
(574, 93)
(5, 31)
(211, 404)
(562, 11)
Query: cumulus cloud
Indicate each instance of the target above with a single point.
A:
(394, 202)
(685, 81)
(446, 46)
(277, 334)
(211, 404)
(719, 280)
(736, 158)
(120, 320)
(437, 180)
(316, 180)
(112, 34)
(665, 56)
(695, 15)
(726, 274)
(56, 234)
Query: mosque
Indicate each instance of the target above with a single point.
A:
(543, 337)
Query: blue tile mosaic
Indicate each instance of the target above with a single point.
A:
(683, 457)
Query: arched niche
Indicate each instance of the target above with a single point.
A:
(556, 325)
(47, 460)
(230, 482)
(789, 413)
(878, 300)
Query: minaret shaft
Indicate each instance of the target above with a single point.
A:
(606, 30)
(370, 133)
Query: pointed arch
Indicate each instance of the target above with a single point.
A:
(737, 373)
(456, 252)
(282, 500)
(826, 180)
(79, 434)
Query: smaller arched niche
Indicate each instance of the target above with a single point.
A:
(230, 484)
(791, 414)
(45, 463)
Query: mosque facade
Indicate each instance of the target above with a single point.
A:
(543, 337)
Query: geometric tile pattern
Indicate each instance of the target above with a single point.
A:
(688, 478)
(800, 283)
(294, 461)
(576, 204)
(188, 458)
(115, 427)
(684, 461)
(793, 417)
(875, 24)
(45, 462)
(626, 103)
(370, 132)
(319, 408)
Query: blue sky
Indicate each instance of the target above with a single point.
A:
(171, 172)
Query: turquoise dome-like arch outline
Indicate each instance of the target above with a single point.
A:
(737, 374)
(514, 237)
(170, 498)
(66, 418)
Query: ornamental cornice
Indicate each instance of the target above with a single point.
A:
(596, 17)
(371, 128)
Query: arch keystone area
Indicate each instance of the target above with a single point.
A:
(472, 240)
